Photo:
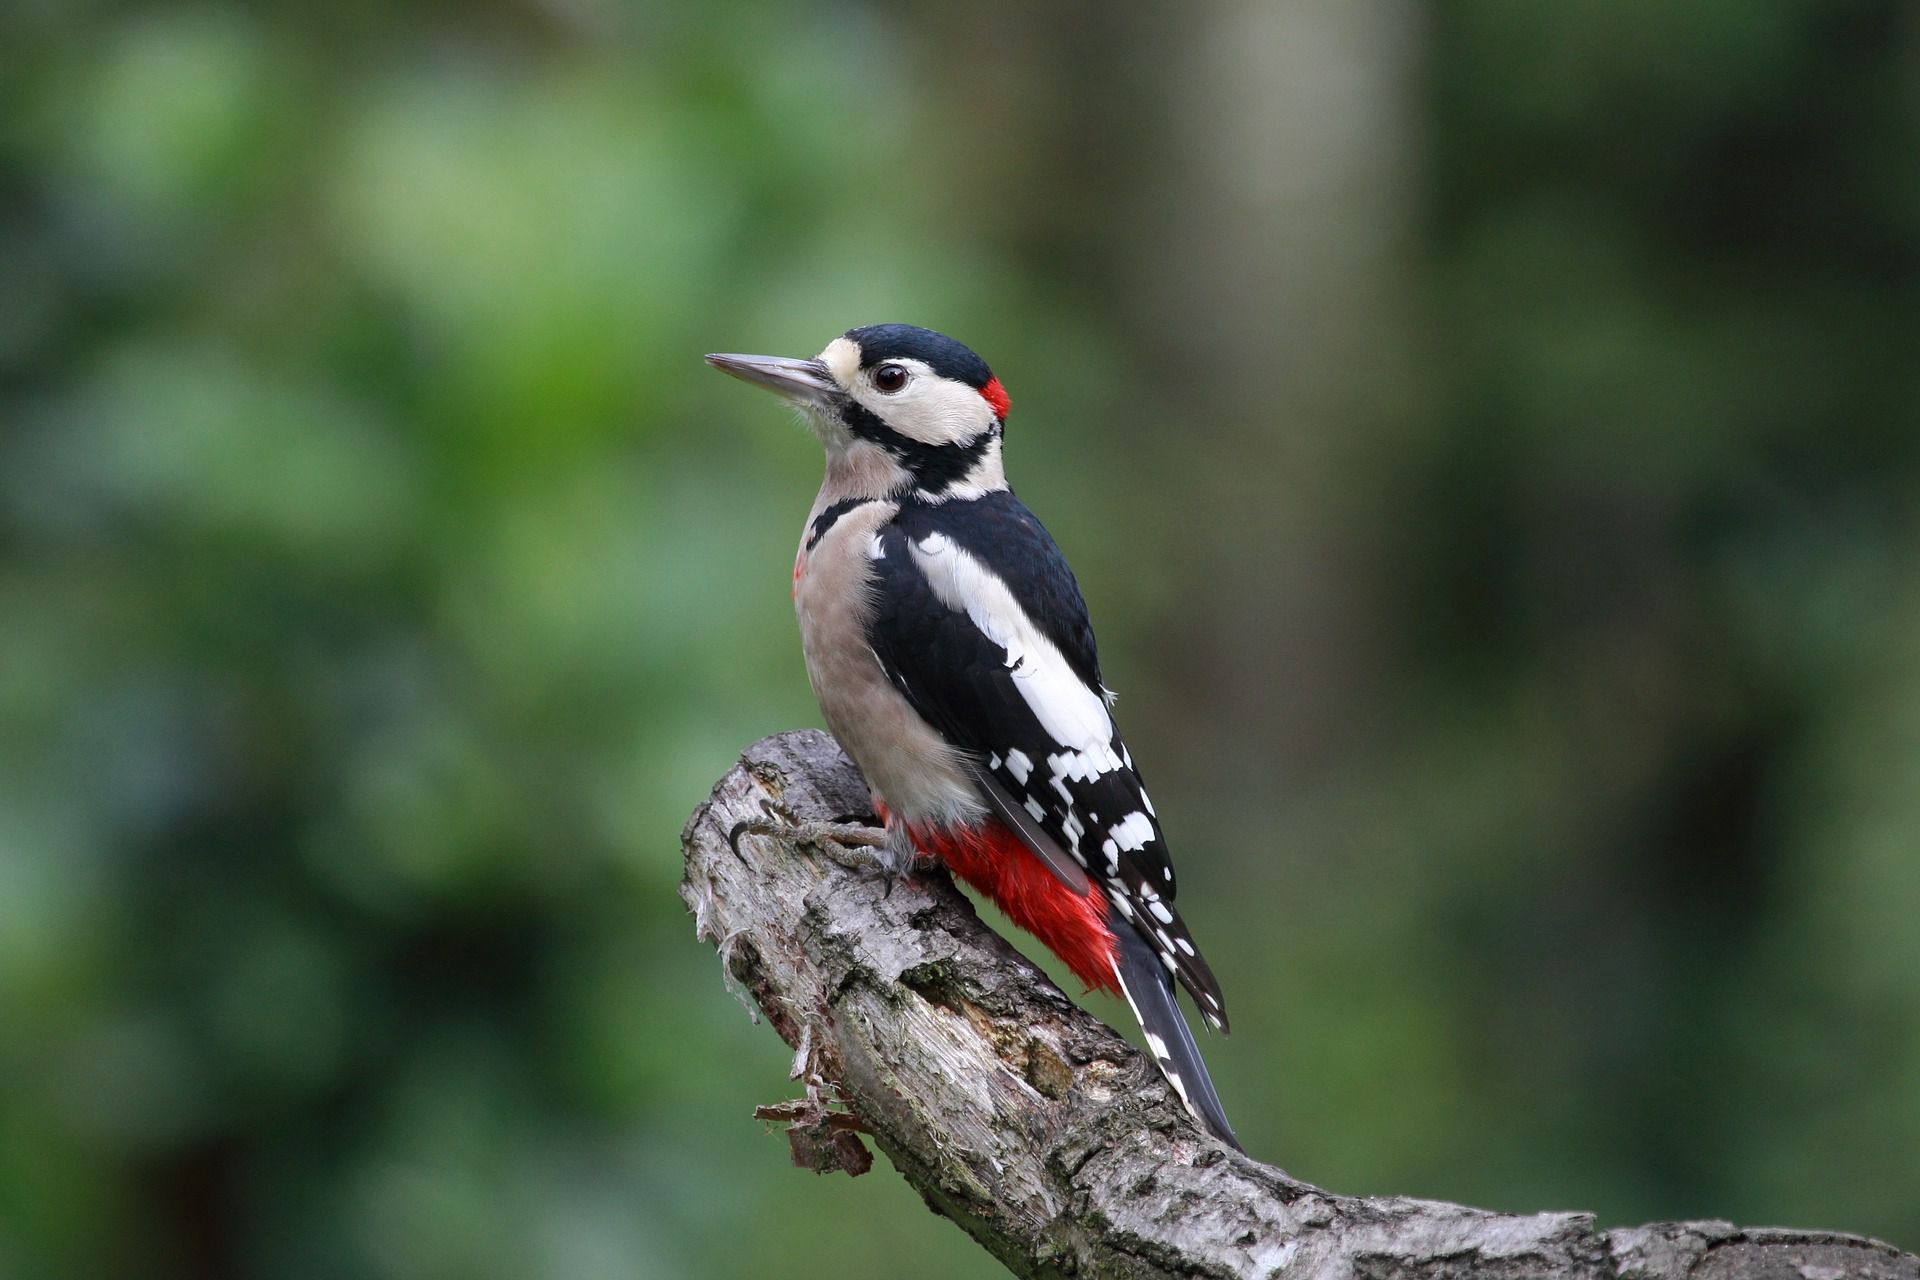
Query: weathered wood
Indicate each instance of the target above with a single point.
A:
(1045, 1135)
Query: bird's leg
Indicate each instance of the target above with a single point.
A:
(844, 841)
(899, 854)
(835, 839)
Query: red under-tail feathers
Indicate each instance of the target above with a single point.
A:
(992, 859)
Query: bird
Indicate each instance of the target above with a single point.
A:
(950, 650)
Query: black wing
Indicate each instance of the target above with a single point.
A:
(979, 623)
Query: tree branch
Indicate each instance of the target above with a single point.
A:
(1042, 1133)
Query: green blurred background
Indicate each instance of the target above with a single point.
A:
(1486, 434)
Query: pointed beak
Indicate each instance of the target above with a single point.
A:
(803, 382)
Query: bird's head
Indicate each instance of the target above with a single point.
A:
(895, 396)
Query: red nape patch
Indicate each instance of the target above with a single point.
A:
(992, 859)
(996, 395)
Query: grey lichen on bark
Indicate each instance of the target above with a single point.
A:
(1041, 1132)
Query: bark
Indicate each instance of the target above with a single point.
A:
(1041, 1132)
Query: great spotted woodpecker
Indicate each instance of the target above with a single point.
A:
(949, 648)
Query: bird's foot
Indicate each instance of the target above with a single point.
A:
(837, 841)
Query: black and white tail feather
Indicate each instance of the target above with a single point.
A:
(1148, 987)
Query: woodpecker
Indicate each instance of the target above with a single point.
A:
(949, 647)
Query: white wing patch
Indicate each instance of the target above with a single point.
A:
(1133, 832)
(1018, 765)
(1084, 766)
(1072, 714)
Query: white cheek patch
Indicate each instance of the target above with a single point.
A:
(930, 409)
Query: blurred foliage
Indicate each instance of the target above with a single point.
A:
(1527, 656)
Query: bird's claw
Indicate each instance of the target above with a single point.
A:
(830, 839)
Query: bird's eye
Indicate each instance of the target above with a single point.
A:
(889, 378)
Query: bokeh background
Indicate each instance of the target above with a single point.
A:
(1488, 434)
